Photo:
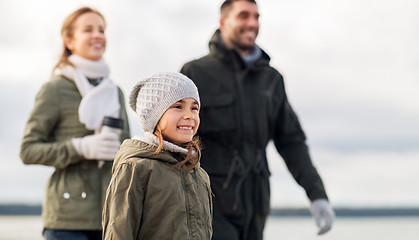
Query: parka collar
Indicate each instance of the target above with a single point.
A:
(142, 147)
(153, 140)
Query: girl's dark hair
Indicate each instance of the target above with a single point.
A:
(67, 33)
(192, 158)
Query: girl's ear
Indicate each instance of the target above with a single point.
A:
(161, 126)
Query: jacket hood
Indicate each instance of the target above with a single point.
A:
(219, 50)
(134, 148)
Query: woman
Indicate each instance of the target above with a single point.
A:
(64, 130)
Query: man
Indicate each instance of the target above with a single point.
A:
(244, 106)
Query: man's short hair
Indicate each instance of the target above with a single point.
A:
(226, 6)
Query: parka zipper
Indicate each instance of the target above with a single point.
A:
(187, 204)
(239, 79)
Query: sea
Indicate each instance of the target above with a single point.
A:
(277, 228)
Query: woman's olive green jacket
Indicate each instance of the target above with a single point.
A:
(76, 190)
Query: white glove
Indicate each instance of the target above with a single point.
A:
(323, 213)
(100, 146)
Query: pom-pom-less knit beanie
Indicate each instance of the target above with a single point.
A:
(152, 96)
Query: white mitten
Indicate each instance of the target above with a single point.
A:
(323, 213)
(100, 146)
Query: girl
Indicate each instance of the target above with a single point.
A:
(158, 190)
(63, 130)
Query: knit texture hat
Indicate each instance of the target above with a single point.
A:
(151, 97)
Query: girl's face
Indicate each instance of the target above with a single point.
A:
(180, 122)
(88, 40)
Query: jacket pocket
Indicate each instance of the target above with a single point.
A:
(72, 195)
(263, 194)
(217, 113)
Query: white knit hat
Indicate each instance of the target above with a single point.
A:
(152, 96)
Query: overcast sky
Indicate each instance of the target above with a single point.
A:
(350, 67)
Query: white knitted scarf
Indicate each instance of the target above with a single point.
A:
(97, 101)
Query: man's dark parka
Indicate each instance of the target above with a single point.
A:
(243, 108)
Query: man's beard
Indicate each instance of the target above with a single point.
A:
(240, 45)
(243, 47)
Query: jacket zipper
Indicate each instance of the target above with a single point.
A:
(187, 204)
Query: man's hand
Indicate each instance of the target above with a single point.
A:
(323, 214)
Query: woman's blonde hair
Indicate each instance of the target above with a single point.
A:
(194, 152)
(67, 33)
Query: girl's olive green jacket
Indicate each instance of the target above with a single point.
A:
(76, 190)
(148, 200)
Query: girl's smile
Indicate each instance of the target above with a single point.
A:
(180, 122)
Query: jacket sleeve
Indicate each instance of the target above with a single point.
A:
(38, 145)
(289, 140)
(123, 208)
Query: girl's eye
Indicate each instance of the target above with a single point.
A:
(195, 108)
(178, 106)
